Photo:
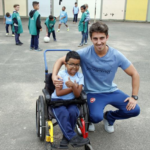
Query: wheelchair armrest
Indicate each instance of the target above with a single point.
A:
(83, 96)
(46, 95)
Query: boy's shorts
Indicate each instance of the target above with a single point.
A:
(62, 22)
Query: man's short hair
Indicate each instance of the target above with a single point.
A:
(75, 3)
(35, 3)
(16, 5)
(51, 17)
(72, 54)
(64, 7)
(99, 27)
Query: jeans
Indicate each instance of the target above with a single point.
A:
(75, 19)
(53, 33)
(17, 35)
(7, 28)
(84, 37)
(35, 41)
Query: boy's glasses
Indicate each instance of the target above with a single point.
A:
(74, 65)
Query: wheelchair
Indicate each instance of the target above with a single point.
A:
(45, 116)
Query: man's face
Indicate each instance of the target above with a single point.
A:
(76, 5)
(17, 8)
(63, 9)
(99, 41)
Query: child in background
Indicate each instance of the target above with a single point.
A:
(17, 24)
(83, 26)
(75, 13)
(63, 18)
(35, 26)
(66, 116)
(87, 19)
(8, 21)
(50, 23)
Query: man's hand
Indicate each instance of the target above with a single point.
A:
(131, 104)
(76, 84)
(57, 81)
(41, 29)
(69, 83)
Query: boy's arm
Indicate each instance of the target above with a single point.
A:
(38, 23)
(46, 31)
(4, 20)
(76, 89)
(61, 92)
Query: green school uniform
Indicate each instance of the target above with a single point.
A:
(81, 26)
(32, 23)
(20, 28)
(50, 24)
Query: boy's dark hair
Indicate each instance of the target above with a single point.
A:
(99, 27)
(72, 54)
(35, 3)
(83, 6)
(75, 3)
(16, 5)
(51, 17)
(64, 7)
(7, 14)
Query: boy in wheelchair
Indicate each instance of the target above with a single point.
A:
(66, 116)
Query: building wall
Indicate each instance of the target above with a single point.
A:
(69, 4)
(1, 8)
(91, 9)
(9, 6)
(113, 9)
(45, 7)
(136, 10)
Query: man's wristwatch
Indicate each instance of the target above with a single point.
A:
(135, 97)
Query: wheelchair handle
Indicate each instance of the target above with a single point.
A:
(46, 67)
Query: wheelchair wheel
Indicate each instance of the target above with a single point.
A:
(37, 119)
(88, 147)
(41, 118)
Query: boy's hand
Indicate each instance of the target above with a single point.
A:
(41, 29)
(69, 83)
(76, 84)
(47, 34)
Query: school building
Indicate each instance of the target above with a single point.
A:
(125, 10)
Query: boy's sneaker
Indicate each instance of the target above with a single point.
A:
(58, 30)
(91, 127)
(64, 142)
(79, 141)
(55, 40)
(85, 43)
(108, 128)
(7, 34)
(80, 45)
(19, 44)
(38, 49)
(67, 29)
(13, 35)
(31, 48)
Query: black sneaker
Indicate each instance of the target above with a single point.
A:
(64, 142)
(19, 44)
(78, 141)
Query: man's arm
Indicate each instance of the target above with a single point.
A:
(4, 20)
(131, 71)
(56, 68)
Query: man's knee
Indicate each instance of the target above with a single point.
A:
(96, 118)
(136, 111)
